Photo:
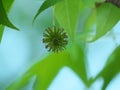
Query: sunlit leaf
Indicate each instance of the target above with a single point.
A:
(107, 17)
(51, 67)
(46, 70)
(87, 25)
(88, 3)
(3, 17)
(91, 3)
(90, 22)
(111, 68)
(79, 62)
(45, 5)
(67, 14)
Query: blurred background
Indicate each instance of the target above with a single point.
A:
(21, 49)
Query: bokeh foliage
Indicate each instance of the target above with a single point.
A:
(67, 13)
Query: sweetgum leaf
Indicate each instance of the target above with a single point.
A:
(3, 17)
(67, 14)
(111, 68)
(46, 70)
(45, 5)
(7, 5)
(107, 17)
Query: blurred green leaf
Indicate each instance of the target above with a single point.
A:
(1, 32)
(52, 66)
(78, 65)
(45, 5)
(90, 22)
(44, 70)
(107, 17)
(3, 17)
(87, 25)
(111, 68)
(91, 3)
(67, 14)
(7, 4)
(47, 69)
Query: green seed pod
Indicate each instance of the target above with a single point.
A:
(55, 39)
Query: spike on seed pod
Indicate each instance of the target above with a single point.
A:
(55, 39)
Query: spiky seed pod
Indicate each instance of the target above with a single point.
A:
(115, 2)
(55, 39)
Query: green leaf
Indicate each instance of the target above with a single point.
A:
(46, 70)
(90, 26)
(1, 32)
(91, 3)
(3, 17)
(51, 68)
(111, 68)
(7, 4)
(107, 17)
(87, 25)
(67, 14)
(45, 5)
(78, 60)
